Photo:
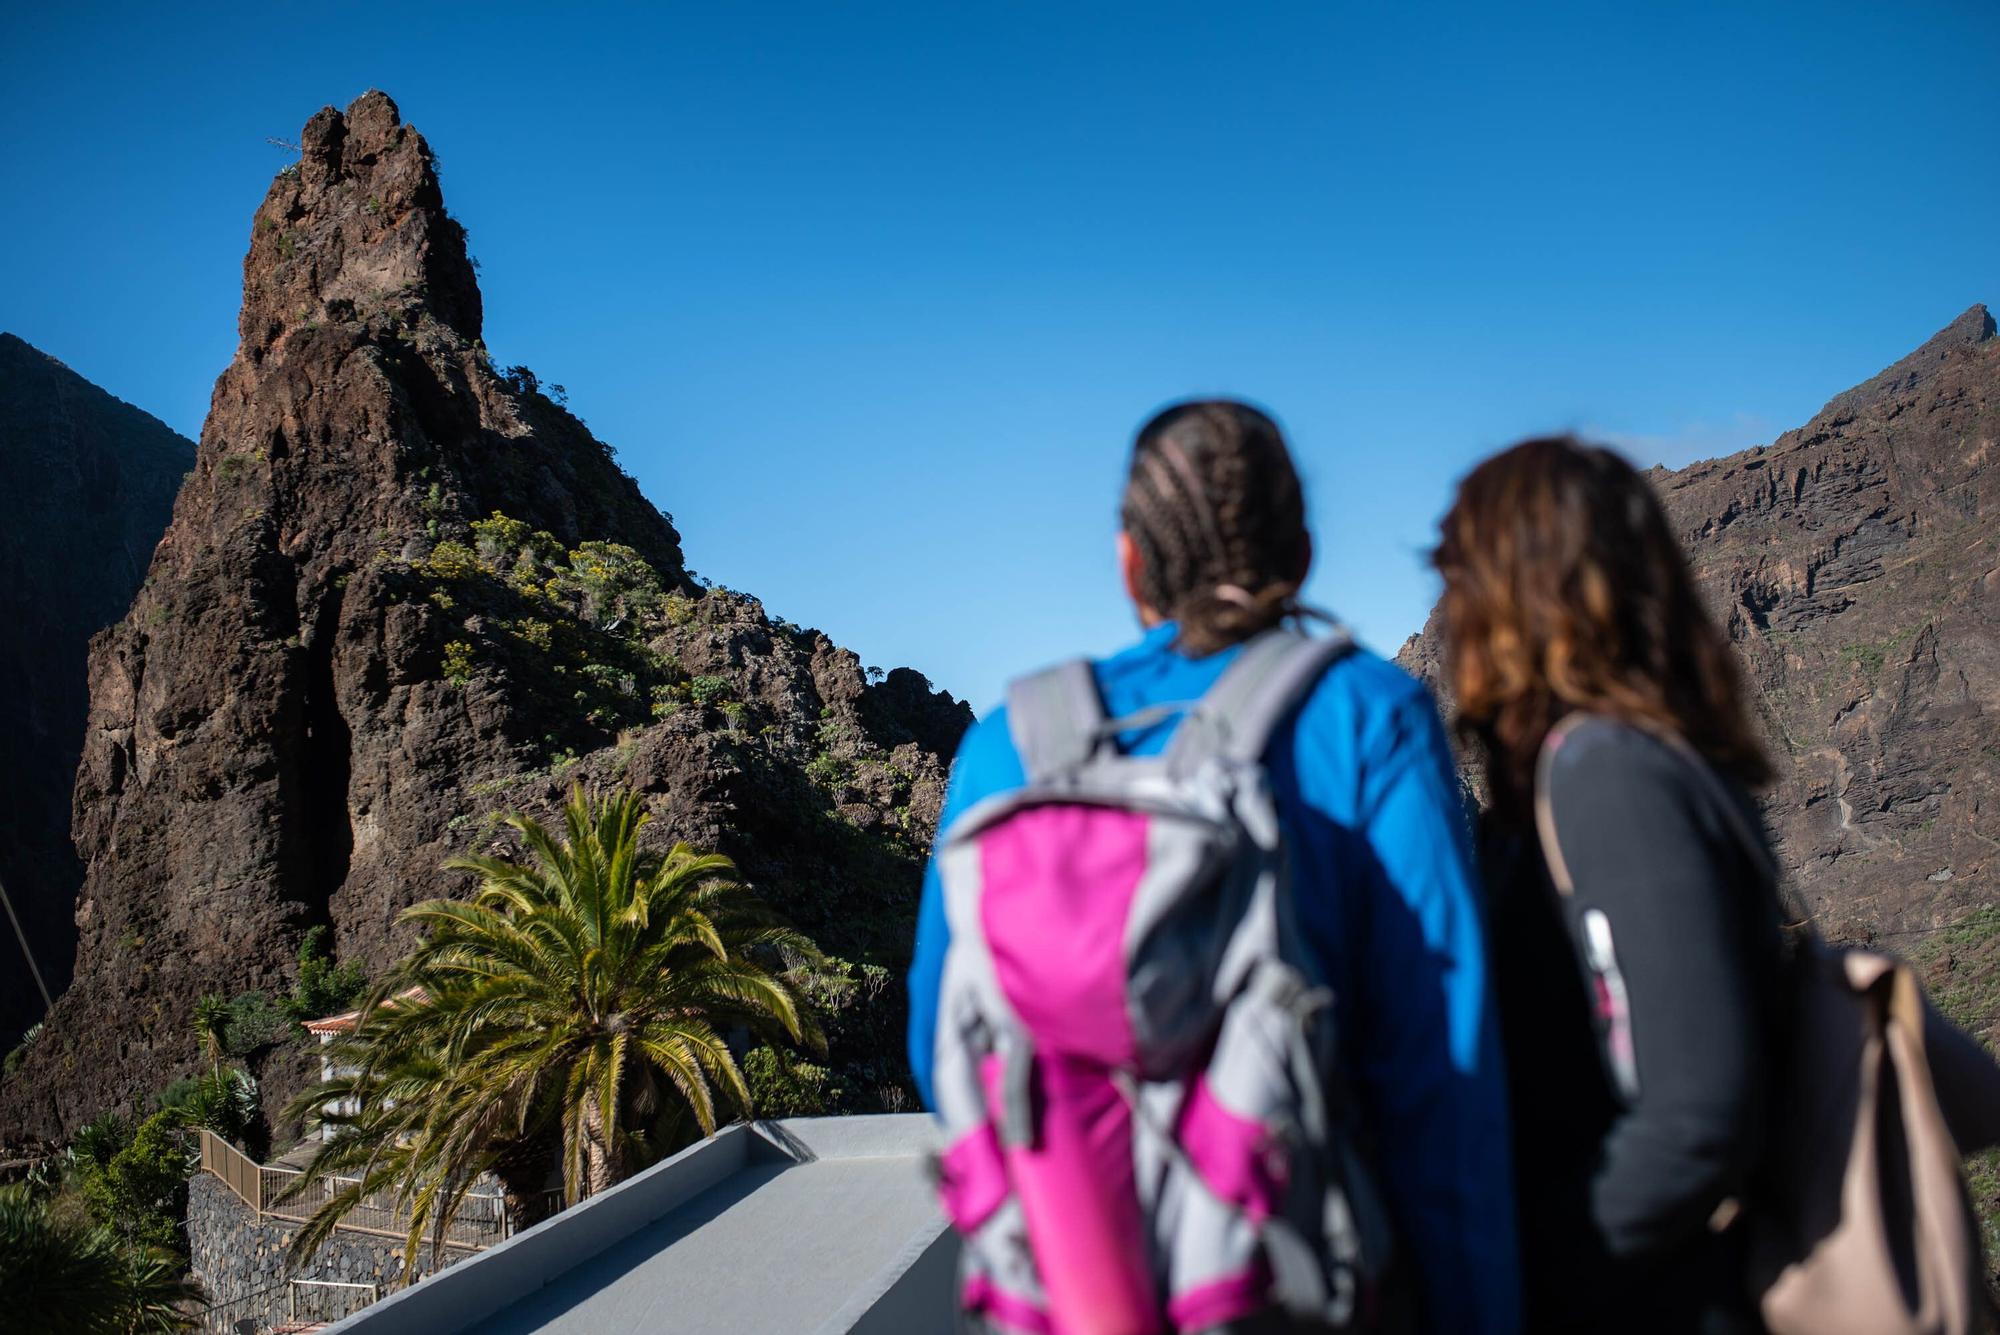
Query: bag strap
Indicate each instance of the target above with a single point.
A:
(1056, 718)
(1234, 721)
(1746, 834)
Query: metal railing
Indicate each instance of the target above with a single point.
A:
(238, 1171)
(482, 1219)
(327, 1299)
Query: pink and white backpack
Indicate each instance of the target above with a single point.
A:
(1135, 1062)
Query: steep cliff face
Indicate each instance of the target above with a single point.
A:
(403, 589)
(1856, 565)
(90, 483)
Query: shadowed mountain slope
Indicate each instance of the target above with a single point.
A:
(90, 483)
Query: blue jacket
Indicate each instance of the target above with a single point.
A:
(1387, 893)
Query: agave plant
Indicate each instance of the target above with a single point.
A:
(573, 1009)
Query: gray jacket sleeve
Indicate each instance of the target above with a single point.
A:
(1648, 850)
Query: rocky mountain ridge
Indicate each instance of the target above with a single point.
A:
(1855, 563)
(403, 589)
(90, 485)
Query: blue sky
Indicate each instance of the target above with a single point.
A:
(871, 297)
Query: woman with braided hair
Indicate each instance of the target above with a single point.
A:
(1214, 549)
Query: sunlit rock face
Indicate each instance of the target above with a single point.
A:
(1855, 563)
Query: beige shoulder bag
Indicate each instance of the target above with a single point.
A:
(1860, 1223)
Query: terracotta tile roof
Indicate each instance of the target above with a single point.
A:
(344, 1023)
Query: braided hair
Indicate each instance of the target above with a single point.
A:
(1214, 507)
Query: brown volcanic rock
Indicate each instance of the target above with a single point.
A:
(90, 486)
(1856, 565)
(276, 737)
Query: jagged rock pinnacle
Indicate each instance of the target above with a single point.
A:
(358, 229)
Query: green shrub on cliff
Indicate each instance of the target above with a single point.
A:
(20, 1050)
(100, 1138)
(225, 1102)
(544, 617)
(710, 690)
(140, 1193)
(782, 1085)
(324, 987)
(241, 1025)
(615, 585)
(457, 663)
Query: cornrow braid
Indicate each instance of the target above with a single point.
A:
(1214, 508)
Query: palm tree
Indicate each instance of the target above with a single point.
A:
(574, 1008)
(65, 1276)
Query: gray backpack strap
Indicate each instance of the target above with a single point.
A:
(1056, 718)
(1257, 692)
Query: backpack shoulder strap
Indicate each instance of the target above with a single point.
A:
(1545, 810)
(1254, 694)
(1741, 828)
(1056, 718)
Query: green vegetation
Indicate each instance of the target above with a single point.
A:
(112, 1205)
(785, 1086)
(224, 1102)
(63, 1274)
(567, 624)
(240, 1025)
(573, 1011)
(20, 1050)
(324, 987)
(250, 1022)
(827, 770)
(1868, 657)
(457, 660)
(140, 1191)
(707, 690)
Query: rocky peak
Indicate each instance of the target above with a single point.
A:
(403, 590)
(1969, 330)
(358, 228)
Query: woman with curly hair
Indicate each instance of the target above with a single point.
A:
(1636, 961)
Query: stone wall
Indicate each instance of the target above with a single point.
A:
(240, 1260)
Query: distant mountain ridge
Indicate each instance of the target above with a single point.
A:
(90, 484)
(1855, 563)
(404, 589)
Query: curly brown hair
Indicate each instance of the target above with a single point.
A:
(1565, 589)
(1214, 506)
